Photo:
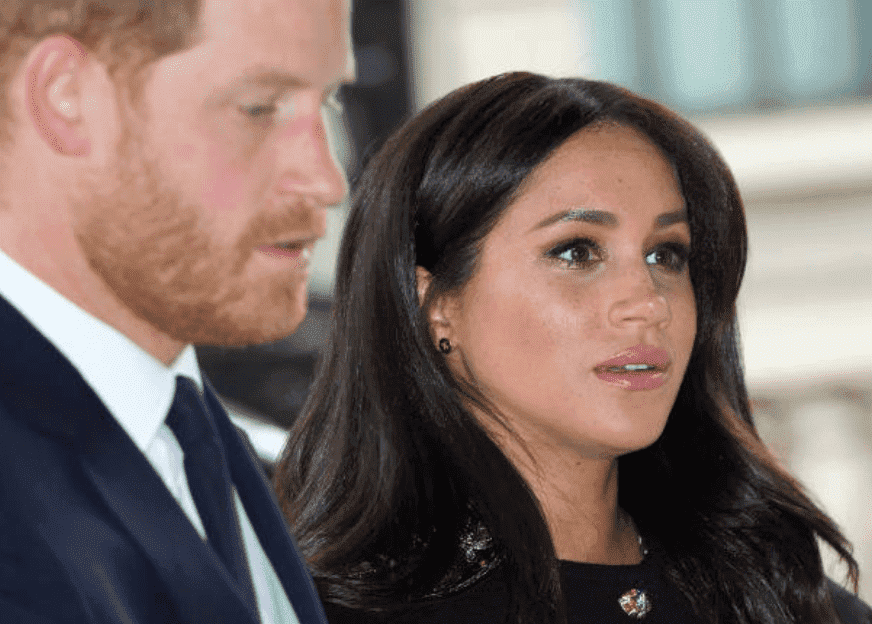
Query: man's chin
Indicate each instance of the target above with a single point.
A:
(241, 317)
(260, 327)
(241, 336)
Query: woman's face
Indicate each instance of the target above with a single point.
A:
(580, 318)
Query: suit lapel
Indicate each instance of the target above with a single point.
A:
(47, 394)
(266, 519)
(194, 576)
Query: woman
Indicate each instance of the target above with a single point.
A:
(535, 302)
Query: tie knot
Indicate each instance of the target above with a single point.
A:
(188, 418)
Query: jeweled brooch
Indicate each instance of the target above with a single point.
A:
(635, 603)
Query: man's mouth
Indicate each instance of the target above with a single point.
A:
(300, 250)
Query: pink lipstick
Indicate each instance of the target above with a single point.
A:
(642, 367)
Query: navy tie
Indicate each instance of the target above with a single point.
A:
(209, 481)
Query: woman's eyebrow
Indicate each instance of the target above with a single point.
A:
(671, 218)
(598, 217)
(607, 219)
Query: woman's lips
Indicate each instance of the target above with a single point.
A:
(642, 367)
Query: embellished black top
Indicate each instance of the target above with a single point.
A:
(594, 594)
(623, 594)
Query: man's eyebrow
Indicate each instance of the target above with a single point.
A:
(262, 77)
(273, 79)
(269, 76)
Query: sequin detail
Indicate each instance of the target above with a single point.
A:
(635, 603)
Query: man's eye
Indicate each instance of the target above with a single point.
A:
(578, 253)
(672, 256)
(258, 111)
(277, 112)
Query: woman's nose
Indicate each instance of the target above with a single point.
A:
(639, 301)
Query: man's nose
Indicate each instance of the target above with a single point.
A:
(307, 166)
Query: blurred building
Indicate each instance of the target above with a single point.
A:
(782, 87)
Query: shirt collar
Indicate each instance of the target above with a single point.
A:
(135, 387)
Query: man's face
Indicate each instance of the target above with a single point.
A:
(203, 222)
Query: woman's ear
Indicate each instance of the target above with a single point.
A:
(423, 277)
(53, 74)
(439, 311)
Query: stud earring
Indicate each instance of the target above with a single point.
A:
(444, 346)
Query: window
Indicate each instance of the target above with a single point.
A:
(702, 56)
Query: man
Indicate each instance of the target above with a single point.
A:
(164, 172)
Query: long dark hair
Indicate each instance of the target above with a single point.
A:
(386, 465)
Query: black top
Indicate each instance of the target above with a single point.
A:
(592, 595)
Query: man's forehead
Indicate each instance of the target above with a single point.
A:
(292, 34)
(304, 14)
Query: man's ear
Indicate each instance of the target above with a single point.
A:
(53, 83)
(439, 313)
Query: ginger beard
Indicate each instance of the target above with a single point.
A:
(151, 248)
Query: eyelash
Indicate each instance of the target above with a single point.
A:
(575, 245)
(680, 254)
(260, 112)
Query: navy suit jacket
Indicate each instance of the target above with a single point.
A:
(88, 531)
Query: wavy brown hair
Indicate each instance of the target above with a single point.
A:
(386, 464)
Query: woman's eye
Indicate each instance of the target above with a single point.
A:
(577, 253)
(673, 257)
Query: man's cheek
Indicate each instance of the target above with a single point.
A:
(185, 152)
(224, 189)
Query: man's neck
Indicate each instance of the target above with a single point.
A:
(74, 280)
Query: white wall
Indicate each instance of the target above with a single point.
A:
(455, 42)
(806, 177)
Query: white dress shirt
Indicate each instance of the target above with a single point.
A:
(108, 360)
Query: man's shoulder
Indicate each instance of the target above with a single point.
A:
(33, 585)
(30, 571)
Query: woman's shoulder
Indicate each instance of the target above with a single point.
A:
(851, 609)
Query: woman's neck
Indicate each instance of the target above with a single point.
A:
(579, 497)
